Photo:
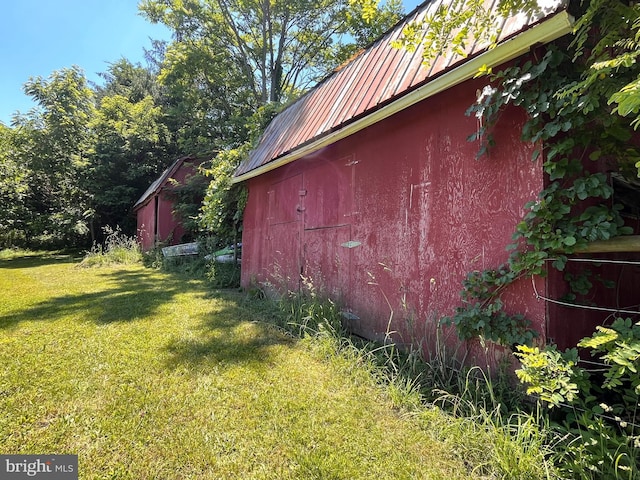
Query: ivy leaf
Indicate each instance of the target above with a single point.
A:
(551, 129)
(560, 262)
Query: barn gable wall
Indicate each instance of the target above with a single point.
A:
(146, 220)
(155, 218)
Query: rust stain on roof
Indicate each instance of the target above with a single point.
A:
(374, 77)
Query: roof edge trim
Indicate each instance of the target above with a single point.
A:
(547, 31)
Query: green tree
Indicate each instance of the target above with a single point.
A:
(128, 153)
(51, 142)
(207, 98)
(13, 191)
(131, 81)
(366, 21)
(279, 46)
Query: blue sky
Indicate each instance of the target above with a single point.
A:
(40, 36)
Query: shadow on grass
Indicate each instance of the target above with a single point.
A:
(126, 296)
(231, 335)
(226, 332)
(36, 260)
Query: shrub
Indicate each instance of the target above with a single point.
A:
(153, 258)
(598, 412)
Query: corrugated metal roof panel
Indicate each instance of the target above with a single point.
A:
(359, 88)
(375, 77)
(309, 128)
(368, 82)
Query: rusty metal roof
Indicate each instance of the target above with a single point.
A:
(378, 76)
(159, 182)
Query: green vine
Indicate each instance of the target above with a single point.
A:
(571, 124)
(224, 202)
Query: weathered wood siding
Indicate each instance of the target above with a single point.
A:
(390, 219)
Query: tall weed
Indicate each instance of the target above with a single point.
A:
(222, 275)
(307, 312)
(117, 248)
(465, 407)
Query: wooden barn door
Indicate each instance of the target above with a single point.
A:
(285, 232)
(328, 207)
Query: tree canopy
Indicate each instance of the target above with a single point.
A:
(277, 48)
(50, 144)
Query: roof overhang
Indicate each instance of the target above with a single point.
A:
(547, 31)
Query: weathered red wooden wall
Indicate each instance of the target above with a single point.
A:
(155, 218)
(396, 215)
(168, 227)
(146, 216)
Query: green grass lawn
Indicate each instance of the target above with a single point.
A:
(145, 375)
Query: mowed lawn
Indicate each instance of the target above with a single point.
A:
(147, 375)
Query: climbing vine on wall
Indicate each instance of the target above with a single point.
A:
(581, 116)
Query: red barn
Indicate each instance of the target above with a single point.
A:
(368, 186)
(154, 209)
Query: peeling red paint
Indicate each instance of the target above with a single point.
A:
(414, 208)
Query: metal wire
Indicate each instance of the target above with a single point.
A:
(575, 305)
(598, 260)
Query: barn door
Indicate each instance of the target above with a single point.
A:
(327, 260)
(285, 212)
(328, 207)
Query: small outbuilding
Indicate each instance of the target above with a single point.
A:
(155, 210)
(368, 187)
